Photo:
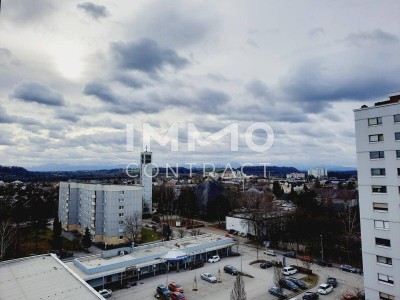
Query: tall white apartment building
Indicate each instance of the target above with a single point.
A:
(378, 164)
(100, 207)
(146, 180)
(318, 172)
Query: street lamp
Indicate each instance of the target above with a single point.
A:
(322, 248)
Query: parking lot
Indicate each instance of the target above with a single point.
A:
(256, 287)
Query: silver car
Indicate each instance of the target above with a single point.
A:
(105, 293)
(208, 277)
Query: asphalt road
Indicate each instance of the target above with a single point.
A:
(256, 287)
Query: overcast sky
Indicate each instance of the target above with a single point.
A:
(74, 73)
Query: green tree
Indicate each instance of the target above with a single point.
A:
(57, 231)
(87, 239)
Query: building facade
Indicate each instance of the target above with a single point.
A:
(318, 172)
(378, 164)
(100, 207)
(146, 180)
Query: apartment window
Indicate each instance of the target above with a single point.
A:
(382, 224)
(121, 214)
(373, 138)
(397, 136)
(378, 172)
(397, 118)
(379, 189)
(121, 200)
(121, 207)
(375, 121)
(121, 222)
(397, 153)
(377, 154)
(384, 296)
(122, 192)
(121, 237)
(384, 260)
(385, 278)
(382, 242)
(380, 207)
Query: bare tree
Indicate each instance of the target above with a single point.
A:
(133, 226)
(7, 237)
(195, 232)
(278, 275)
(238, 292)
(181, 232)
(351, 223)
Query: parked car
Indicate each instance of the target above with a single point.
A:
(266, 265)
(306, 258)
(348, 268)
(231, 270)
(324, 263)
(231, 231)
(349, 296)
(235, 232)
(361, 295)
(287, 284)
(175, 287)
(270, 252)
(291, 254)
(298, 282)
(163, 291)
(196, 264)
(325, 289)
(177, 296)
(208, 277)
(105, 293)
(229, 236)
(332, 281)
(289, 271)
(310, 296)
(278, 292)
(214, 259)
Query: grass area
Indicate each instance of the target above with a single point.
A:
(27, 244)
(149, 235)
(311, 279)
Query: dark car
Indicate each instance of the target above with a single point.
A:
(288, 285)
(163, 291)
(231, 231)
(348, 268)
(231, 270)
(278, 292)
(332, 281)
(291, 254)
(310, 296)
(196, 264)
(361, 295)
(298, 282)
(324, 263)
(266, 265)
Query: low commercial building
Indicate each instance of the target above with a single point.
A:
(42, 277)
(120, 265)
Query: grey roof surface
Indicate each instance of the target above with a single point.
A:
(41, 277)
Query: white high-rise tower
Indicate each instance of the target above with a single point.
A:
(146, 179)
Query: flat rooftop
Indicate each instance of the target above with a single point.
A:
(42, 277)
(100, 265)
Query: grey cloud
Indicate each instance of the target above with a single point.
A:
(251, 42)
(146, 55)
(374, 37)
(5, 53)
(314, 84)
(130, 80)
(94, 10)
(19, 11)
(5, 118)
(70, 117)
(258, 89)
(101, 91)
(5, 139)
(173, 22)
(211, 101)
(30, 91)
(316, 32)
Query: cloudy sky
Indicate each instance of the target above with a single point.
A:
(75, 73)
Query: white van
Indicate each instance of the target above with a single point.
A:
(270, 252)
